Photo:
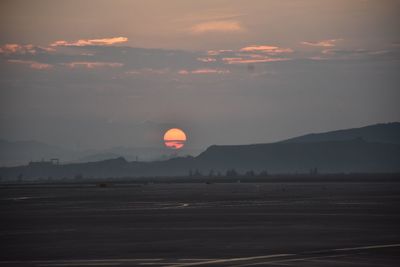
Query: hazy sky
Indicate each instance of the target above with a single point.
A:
(97, 74)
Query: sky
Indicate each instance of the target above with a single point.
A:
(98, 74)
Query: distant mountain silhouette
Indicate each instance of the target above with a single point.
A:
(100, 156)
(380, 133)
(15, 153)
(328, 157)
(137, 153)
(359, 154)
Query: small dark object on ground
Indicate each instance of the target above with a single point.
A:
(103, 185)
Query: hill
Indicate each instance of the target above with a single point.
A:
(380, 133)
(328, 157)
(16, 153)
(333, 152)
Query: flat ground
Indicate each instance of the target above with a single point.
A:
(230, 224)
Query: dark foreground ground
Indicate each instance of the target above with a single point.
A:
(229, 224)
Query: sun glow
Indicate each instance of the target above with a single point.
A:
(174, 138)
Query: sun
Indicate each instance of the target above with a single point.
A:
(174, 138)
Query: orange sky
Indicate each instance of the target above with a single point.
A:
(205, 24)
(97, 73)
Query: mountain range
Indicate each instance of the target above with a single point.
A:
(16, 153)
(369, 149)
(378, 133)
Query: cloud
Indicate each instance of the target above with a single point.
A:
(206, 59)
(32, 64)
(323, 43)
(345, 51)
(9, 49)
(318, 58)
(147, 71)
(17, 49)
(217, 26)
(241, 60)
(357, 53)
(204, 71)
(209, 15)
(92, 65)
(210, 71)
(145, 60)
(266, 49)
(92, 42)
(183, 72)
(249, 54)
(218, 52)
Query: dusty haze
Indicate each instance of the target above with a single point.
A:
(97, 74)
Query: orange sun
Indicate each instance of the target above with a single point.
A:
(174, 138)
